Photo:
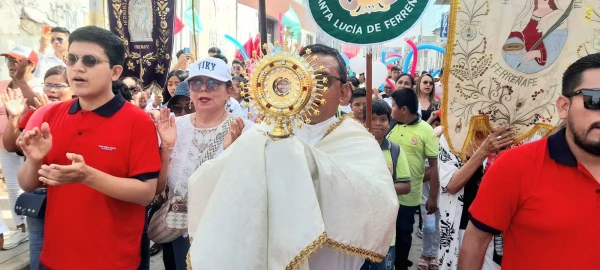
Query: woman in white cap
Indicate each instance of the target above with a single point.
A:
(192, 139)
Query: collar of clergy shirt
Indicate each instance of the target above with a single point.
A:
(312, 134)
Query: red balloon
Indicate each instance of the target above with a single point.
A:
(37, 118)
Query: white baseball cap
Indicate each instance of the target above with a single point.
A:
(210, 67)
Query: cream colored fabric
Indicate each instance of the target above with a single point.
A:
(262, 202)
(506, 63)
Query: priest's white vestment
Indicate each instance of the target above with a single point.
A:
(323, 199)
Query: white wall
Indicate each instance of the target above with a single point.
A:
(22, 21)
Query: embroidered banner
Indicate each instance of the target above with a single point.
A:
(146, 28)
(506, 60)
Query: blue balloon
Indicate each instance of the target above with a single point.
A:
(409, 56)
(347, 61)
(383, 57)
(392, 60)
(238, 45)
(435, 73)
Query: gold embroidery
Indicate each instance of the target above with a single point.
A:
(303, 256)
(188, 260)
(477, 123)
(338, 123)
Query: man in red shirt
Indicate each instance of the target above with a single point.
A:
(544, 197)
(100, 163)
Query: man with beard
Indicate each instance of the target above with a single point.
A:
(544, 196)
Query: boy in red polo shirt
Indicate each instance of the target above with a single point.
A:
(100, 163)
(544, 196)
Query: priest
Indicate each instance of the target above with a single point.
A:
(322, 199)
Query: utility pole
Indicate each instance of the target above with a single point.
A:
(262, 23)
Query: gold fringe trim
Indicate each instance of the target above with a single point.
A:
(480, 122)
(303, 256)
(355, 251)
(313, 247)
(338, 123)
(188, 260)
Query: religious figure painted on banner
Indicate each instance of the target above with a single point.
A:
(141, 21)
(359, 7)
(538, 35)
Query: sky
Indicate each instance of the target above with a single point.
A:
(431, 20)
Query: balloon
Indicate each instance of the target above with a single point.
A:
(37, 118)
(390, 83)
(393, 55)
(358, 64)
(347, 61)
(392, 60)
(435, 73)
(383, 57)
(420, 47)
(414, 60)
(238, 45)
(280, 17)
(379, 73)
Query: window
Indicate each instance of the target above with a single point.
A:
(309, 39)
(271, 31)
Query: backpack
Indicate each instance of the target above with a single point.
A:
(395, 152)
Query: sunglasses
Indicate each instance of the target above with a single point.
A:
(428, 83)
(178, 108)
(59, 40)
(88, 60)
(49, 86)
(327, 79)
(211, 85)
(591, 97)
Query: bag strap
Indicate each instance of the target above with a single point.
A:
(395, 153)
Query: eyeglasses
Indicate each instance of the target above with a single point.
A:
(178, 108)
(428, 82)
(591, 97)
(327, 79)
(88, 60)
(49, 86)
(211, 85)
(59, 40)
(237, 68)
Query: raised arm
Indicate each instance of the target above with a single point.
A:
(489, 146)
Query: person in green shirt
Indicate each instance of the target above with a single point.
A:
(419, 143)
(396, 162)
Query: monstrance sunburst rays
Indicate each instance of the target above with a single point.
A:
(286, 89)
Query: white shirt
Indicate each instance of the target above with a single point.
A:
(312, 134)
(235, 108)
(46, 62)
(346, 109)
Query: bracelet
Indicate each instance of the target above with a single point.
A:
(166, 148)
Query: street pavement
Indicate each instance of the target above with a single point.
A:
(18, 258)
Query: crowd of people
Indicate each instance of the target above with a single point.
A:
(100, 155)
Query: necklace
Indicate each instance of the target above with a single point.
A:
(225, 115)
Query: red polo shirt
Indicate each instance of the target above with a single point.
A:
(85, 229)
(545, 203)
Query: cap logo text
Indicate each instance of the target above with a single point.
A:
(207, 65)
